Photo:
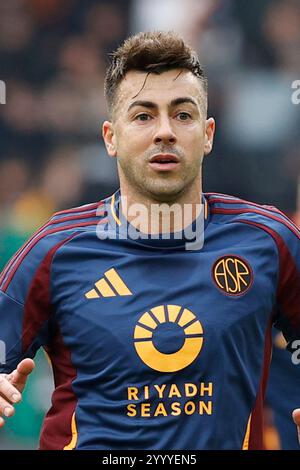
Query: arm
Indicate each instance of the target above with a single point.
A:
(25, 314)
(288, 298)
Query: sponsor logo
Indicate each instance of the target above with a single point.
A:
(168, 338)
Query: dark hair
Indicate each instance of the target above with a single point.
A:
(152, 52)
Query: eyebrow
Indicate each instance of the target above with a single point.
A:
(173, 103)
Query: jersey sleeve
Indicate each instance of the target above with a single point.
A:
(25, 297)
(11, 314)
(288, 291)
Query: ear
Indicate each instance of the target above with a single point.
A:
(210, 126)
(108, 135)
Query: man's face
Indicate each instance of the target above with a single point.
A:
(160, 133)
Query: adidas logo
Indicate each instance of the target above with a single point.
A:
(110, 285)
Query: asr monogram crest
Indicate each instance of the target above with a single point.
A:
(232, 275)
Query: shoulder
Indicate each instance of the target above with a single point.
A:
(75, 219)
(61, 228)
(226, 209)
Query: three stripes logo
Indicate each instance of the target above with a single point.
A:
(110, 285)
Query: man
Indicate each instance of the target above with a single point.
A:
(159, 338)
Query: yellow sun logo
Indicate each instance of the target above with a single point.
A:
(168, 338)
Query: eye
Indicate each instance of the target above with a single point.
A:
(183, 116)
(142, 117)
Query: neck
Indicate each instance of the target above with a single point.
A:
(153, 216)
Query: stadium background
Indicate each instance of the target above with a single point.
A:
(53, 55)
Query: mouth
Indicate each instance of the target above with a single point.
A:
(164, 162)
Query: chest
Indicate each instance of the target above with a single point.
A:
(161, 308)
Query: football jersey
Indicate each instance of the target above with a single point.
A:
(154, 346)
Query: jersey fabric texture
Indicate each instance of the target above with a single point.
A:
(282, 394)
(154, 346)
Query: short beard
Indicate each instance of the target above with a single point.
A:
(160, 189)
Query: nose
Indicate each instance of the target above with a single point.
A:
(164, 132)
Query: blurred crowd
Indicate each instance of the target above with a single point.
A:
(53, 55)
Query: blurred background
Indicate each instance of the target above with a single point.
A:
(53, 55)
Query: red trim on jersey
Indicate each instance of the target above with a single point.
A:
(217, 210)
(56, 430)
(37, 239)
(13, 259)
(88, 207)
(288, 291)
(37, 311)
(221, 200)
(37, 305)
(50, 222)
(75, 217)
(259, 206)
(219, 194)
(256, 425)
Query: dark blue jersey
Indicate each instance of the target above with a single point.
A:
(154, 346)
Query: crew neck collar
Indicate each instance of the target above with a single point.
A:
(184, 238)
